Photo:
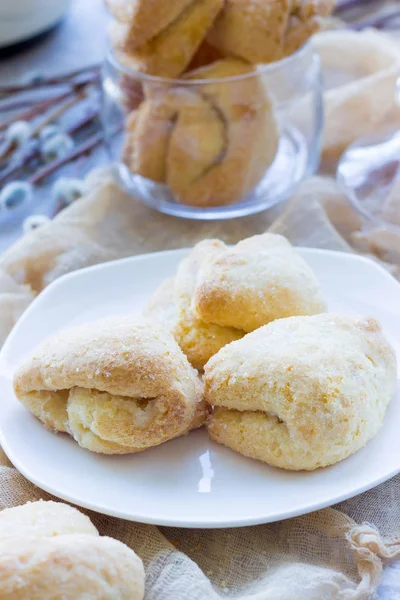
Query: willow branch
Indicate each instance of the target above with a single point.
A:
(345, 5)
(86, 147)
(93, 73)
(34, 152)
(377, 21)
(35, 111)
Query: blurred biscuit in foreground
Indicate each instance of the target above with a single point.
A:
(49, 550)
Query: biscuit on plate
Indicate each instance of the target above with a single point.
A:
(49, 550)
(171, 305)
(303, 392)
(259, 280)
(116, 385)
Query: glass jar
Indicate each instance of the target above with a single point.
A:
(226, 140)
(369, 174)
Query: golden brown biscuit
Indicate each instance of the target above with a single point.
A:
(149, 130)
(49, 551)
(168, 53)
(145, 19)
(171, 305)
(211, 144)
(205, 55)
(302, 392)
(264, 31)
(306, 19)
(198, 340)
(253, 30)
(129, 137)
(306, 9)
(117, 386)
(260, 279)
(298, 32)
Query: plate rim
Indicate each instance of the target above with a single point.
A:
(185, 524)
(340, 254)
(236, 523)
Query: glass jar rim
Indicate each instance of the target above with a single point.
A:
(111, 58)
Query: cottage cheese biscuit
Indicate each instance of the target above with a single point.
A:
(303, 392)
(171, 305)
(260, 279)
(49, 551)
(117, 386)
(170, 51)
(210, 143)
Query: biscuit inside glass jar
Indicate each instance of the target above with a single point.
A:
(210, 142)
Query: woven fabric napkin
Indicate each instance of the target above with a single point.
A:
(331, 554)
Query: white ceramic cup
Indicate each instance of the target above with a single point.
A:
(21, 20)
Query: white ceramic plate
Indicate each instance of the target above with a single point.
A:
(191, 481)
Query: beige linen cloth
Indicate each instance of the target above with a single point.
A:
(333, 554)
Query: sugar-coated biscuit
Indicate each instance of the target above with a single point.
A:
(43, 519)
(169, 53)
(211, 143)
(303, 392)
(306, 18)
(145, 19)
(50, 550)
(69, 567)
(260, 279)
(264, 31)
(205, 55)
(116, 385)
(251, 29)
(171, 305)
